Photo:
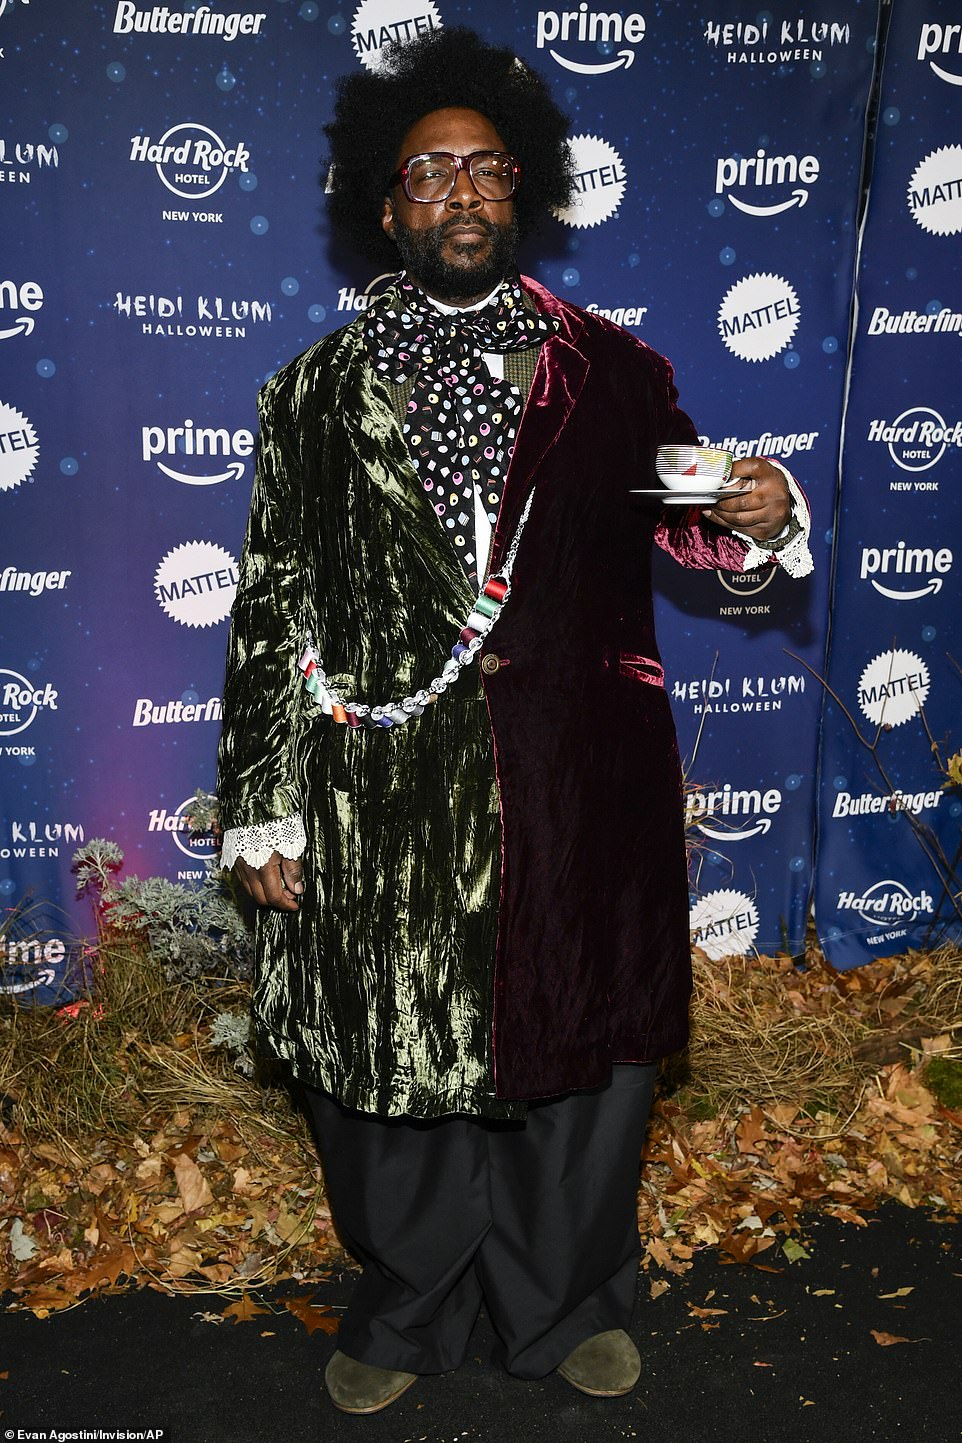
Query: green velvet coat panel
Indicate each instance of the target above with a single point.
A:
(379, 989)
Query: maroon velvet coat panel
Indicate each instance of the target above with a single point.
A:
(593, 960)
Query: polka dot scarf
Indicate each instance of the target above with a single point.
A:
(461, 421)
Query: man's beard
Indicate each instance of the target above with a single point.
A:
(421, 253)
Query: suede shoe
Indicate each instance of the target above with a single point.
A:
(604, 1366)
(361, 1387)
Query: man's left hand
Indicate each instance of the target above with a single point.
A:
(760, 506)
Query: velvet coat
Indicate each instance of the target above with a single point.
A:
(496, 904)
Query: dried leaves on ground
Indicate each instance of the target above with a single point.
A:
(805, 1089)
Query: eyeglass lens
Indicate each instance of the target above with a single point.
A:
(432, 177)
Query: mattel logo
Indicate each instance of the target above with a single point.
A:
(600, 179)
(935, 191)
(758, 316)
(19, 447)
(196, 582)
(893, 688)
(380, 22)
(724, 923)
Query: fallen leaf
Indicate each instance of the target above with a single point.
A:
(244, 1309)
(751, 1131)
(315, 1317)
(191, 1183)
(899, 1293)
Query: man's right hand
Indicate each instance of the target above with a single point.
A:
(279, 883)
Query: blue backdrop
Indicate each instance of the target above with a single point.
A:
(895, 622)
(165, 250)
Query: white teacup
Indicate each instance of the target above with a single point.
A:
(691, 468)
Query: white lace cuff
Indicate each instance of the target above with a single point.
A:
(791, 549)
(258, 844)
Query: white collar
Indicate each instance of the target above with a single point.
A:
(454, 310)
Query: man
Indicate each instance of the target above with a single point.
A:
(485, 950)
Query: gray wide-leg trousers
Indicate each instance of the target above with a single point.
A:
(537, 1219)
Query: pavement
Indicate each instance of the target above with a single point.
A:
(774, 1352)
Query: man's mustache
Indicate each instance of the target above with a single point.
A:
(458, 222)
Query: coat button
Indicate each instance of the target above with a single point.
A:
(490, 663)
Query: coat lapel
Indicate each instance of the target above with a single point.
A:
(363, 407)
(558, 381)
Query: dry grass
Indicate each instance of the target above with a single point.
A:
(765, 1032)
(91, 1072)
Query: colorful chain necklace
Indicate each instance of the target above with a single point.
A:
(487, 608)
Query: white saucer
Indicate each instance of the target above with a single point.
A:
(688, 498)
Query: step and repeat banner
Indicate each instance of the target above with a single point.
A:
(165, 251)
(886, 826)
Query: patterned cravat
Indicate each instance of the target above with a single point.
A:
(461, 421)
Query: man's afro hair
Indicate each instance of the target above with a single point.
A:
(375, 110)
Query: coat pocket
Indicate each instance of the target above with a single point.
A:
(641, 668)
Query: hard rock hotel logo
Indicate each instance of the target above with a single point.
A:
(191, 160)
